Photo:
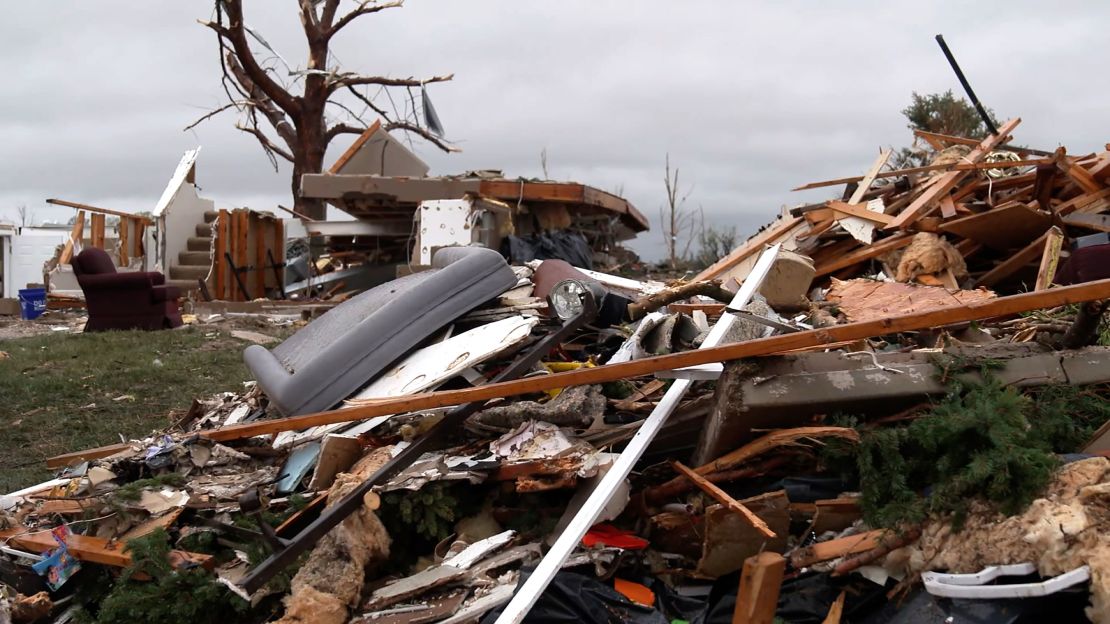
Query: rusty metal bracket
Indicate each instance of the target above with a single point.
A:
(332, 516)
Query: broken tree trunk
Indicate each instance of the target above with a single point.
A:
(641, 307)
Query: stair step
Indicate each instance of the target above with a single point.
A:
(204, 229)
(199, 243)
(210, 215)
(194, 258)
(186, 286)
(187, 272)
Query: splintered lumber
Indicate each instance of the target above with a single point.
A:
(773, 440)
(853, 209)
(1050, 258)
(839, 547)
(749, 248)
(869, 177)
(94, 549)
(948, 181)
(74, 238)
(992, 308)
(760, 584)
(866, 299)
(929, 168)
(723, 498)
(867, 252)
(1014, 263)
(836, 610)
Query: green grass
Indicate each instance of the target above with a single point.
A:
(67, 392)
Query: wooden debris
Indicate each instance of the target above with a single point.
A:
(863, 300)
(723, 498)
(760, 583)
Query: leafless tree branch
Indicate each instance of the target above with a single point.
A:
(365, 7)
(370, 103)
(260, 101)
(267, 144)
(342, 128)
(233, 104)
(422, 133)
(349, 79)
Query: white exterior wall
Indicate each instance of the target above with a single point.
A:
(177, 214)
(31, 248)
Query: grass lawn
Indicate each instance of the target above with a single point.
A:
(65, 392)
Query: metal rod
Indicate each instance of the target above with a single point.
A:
(238, 277)
(528, 593)
(967, 86)
(332, 516)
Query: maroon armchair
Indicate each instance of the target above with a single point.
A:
(124, 300)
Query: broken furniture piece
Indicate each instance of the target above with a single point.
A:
(115, 300)
(336, 354)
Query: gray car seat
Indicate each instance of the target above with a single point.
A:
(338, 353)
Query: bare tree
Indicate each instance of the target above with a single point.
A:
(676, 220)
(25, 216)
(304, 109)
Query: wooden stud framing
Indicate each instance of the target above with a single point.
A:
(222, 228)
(124, 232)
(96, 230)
(259, 232)
(752, 246)
(1014, 263)
(94, 209)
(242, 259)
(863, 254)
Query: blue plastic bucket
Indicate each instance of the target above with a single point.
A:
(32, 303)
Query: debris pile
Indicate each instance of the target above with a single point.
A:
(838, 420)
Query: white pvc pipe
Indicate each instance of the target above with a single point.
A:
(550, 565)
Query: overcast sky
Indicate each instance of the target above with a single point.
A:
(748, 99)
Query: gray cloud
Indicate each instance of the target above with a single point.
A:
(749, 100)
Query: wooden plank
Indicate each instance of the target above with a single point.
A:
(947, 207)
(723, 498)
(95, 549)
(258, 236)
(1011, 225)
(863, 254)
(1050, 258)
(834, 548)
(760, 583)
(114, 213)
(242, 230)
(962, 166)
(859, 210)
(993, 308)
(1014, 263)
(748, 248)
(74, 238)
(1096, 222)
(948, 181)
(936, 138)
(124, 232)
(1088, 203)
(223, 229)
(1082, 178)
(137, 248)
(278, 250)
(96, 231)
(869, 177)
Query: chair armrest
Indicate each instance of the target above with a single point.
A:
(119, 281)
(156, 278)
(165, 293)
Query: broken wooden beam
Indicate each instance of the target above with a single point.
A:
(839, 547)
(757, 599)
(928, 319)
(95, 549)
(723, 498)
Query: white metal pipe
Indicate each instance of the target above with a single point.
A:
(550, 565)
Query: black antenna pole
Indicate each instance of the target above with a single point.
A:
(967, 87)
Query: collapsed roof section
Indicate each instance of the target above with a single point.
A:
(381, 183)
